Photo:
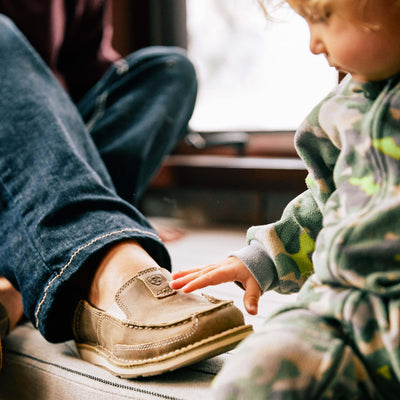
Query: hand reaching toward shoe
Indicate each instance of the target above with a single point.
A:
(229, 270)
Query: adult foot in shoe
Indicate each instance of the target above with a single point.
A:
(143, 327)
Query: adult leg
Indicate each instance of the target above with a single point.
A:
(58, 202)
(138, 112)
(64, 228)
(296, 355)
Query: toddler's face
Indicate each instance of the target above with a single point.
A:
(369, 52)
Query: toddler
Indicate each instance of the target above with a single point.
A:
(338, 243)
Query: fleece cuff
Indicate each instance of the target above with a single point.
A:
(256, 259)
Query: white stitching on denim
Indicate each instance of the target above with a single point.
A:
(99, 110)
(74, 255)
(121, 66)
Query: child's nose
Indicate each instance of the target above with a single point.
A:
(316, 43)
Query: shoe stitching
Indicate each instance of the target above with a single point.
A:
(210, 298)
(37, 321)
(76, 325)
(165, 342)
(164, 292)
(99, 328)
(103, 316)
(134, 278)
(141, 273)
(131, 325)
(176, 352)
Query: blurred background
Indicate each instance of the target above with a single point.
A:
(255, 73)
(257, 82)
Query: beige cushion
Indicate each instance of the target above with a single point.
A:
(36, 369)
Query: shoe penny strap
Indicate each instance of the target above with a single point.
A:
(157, 281)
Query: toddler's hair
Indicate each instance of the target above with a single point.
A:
(307, 7)
(316, 4)
(320, 4)
(310, 7)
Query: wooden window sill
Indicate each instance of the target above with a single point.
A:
(230, 172)
(268, 162)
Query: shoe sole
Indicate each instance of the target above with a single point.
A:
(191, 354)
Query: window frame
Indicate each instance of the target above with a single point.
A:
(163, 22)
(148, 23)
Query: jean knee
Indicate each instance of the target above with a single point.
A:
(7, 28)
(181, 67)
(11, 39)
(172, 62)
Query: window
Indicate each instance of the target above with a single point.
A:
(254, 73)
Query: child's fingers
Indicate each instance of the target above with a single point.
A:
(251, 296)
(181, 274)
(229, 270)
(181, 280)
(185, 272)
(190, 282)
(177, 284)
(214, 275)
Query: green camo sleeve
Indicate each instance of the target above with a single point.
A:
(279, 254)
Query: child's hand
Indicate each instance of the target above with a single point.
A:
(229, 270)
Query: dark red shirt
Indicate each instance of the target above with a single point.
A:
(72, 36)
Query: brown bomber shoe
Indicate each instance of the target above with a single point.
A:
(151, 328)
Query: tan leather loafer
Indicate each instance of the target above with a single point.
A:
(151, 329)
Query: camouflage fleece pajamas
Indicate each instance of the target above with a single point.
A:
(339, 242)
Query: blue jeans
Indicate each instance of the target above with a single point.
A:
(71, 174)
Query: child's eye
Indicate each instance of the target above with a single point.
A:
(327, 14)
(320, 16)
(316, 19)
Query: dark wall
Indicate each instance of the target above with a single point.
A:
(141, 23)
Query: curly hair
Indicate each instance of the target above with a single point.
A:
(320, 7)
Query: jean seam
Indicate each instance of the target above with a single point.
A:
(59, 274)
(98, 113)
(121, 67)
